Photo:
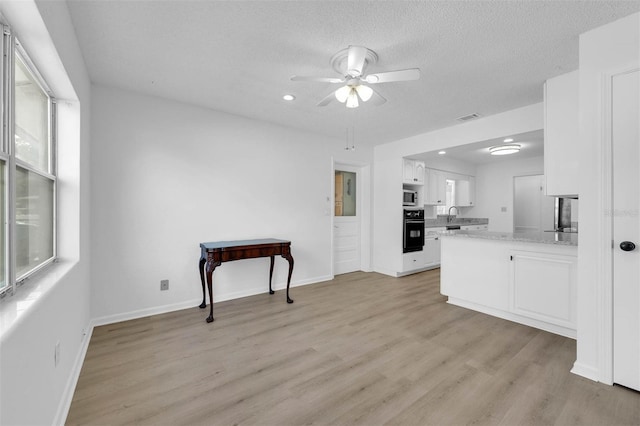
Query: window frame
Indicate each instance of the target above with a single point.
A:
(11, 50)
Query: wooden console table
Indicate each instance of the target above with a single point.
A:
(214, 253)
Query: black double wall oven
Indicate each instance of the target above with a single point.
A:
(413, 230)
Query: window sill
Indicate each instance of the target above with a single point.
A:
(13, 309)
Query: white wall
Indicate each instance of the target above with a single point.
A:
(451, 165)
(612, 48)
(494, 189)
(53, 306)
(387, 181)
(167, 176)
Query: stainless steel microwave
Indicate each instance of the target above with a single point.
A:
(409, 198)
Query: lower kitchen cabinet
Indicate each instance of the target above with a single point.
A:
(432, 244)
(412, 261)
(543, 286)
(529, 283)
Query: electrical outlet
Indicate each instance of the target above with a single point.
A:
(503, 209)
(56, 354)
(164, 285)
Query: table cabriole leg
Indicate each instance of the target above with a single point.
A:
(211, 266)
(201, 264)
(271, 275)
(287, 255)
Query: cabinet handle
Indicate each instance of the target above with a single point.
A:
(511, 258)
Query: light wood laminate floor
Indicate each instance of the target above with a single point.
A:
(363, 349)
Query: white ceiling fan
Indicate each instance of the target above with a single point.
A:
(352, 63)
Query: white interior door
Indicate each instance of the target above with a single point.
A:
(626, 228)
(346, 221)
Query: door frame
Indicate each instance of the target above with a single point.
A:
(604, 291)
(363, 206)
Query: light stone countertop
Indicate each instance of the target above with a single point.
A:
(557, 238)
(442, 221)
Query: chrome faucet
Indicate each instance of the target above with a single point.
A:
(449, 214)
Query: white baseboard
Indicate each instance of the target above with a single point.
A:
(147, 312)
(156, 310)
(585, 371)
(387, 272)
(415, 271)
(67, 395)
(551, 328)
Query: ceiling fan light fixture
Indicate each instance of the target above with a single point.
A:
(343, 93)
(352, 99)
(504, 149)
(364, 92)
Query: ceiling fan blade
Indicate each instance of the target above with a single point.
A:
(377, 99)
(400, 75)
(317, 79)
(325, 101)
(355, 60)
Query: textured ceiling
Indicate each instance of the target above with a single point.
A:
(480, 57)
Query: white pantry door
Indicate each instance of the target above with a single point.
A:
(625, 123)
(346, 221)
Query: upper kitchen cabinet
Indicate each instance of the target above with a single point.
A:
(466, 192)
(413, 172)
(561, 135)
(436, 190)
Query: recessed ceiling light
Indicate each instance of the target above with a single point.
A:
(288, 97)
(507, 140)
(504, 149)
(442, 152)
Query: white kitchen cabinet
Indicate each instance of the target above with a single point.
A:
(412, 261)
(419, 170)
(413, 171)
(561, 135)
(407, 171)
(466, 191)
(475, 271)
(529, 283)
(543, 287)
(432, 245)
(436, 188)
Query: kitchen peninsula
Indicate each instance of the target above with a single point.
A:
(529, 278)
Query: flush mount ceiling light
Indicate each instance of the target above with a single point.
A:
(442, 152)
(504, 149)
(289, 97)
